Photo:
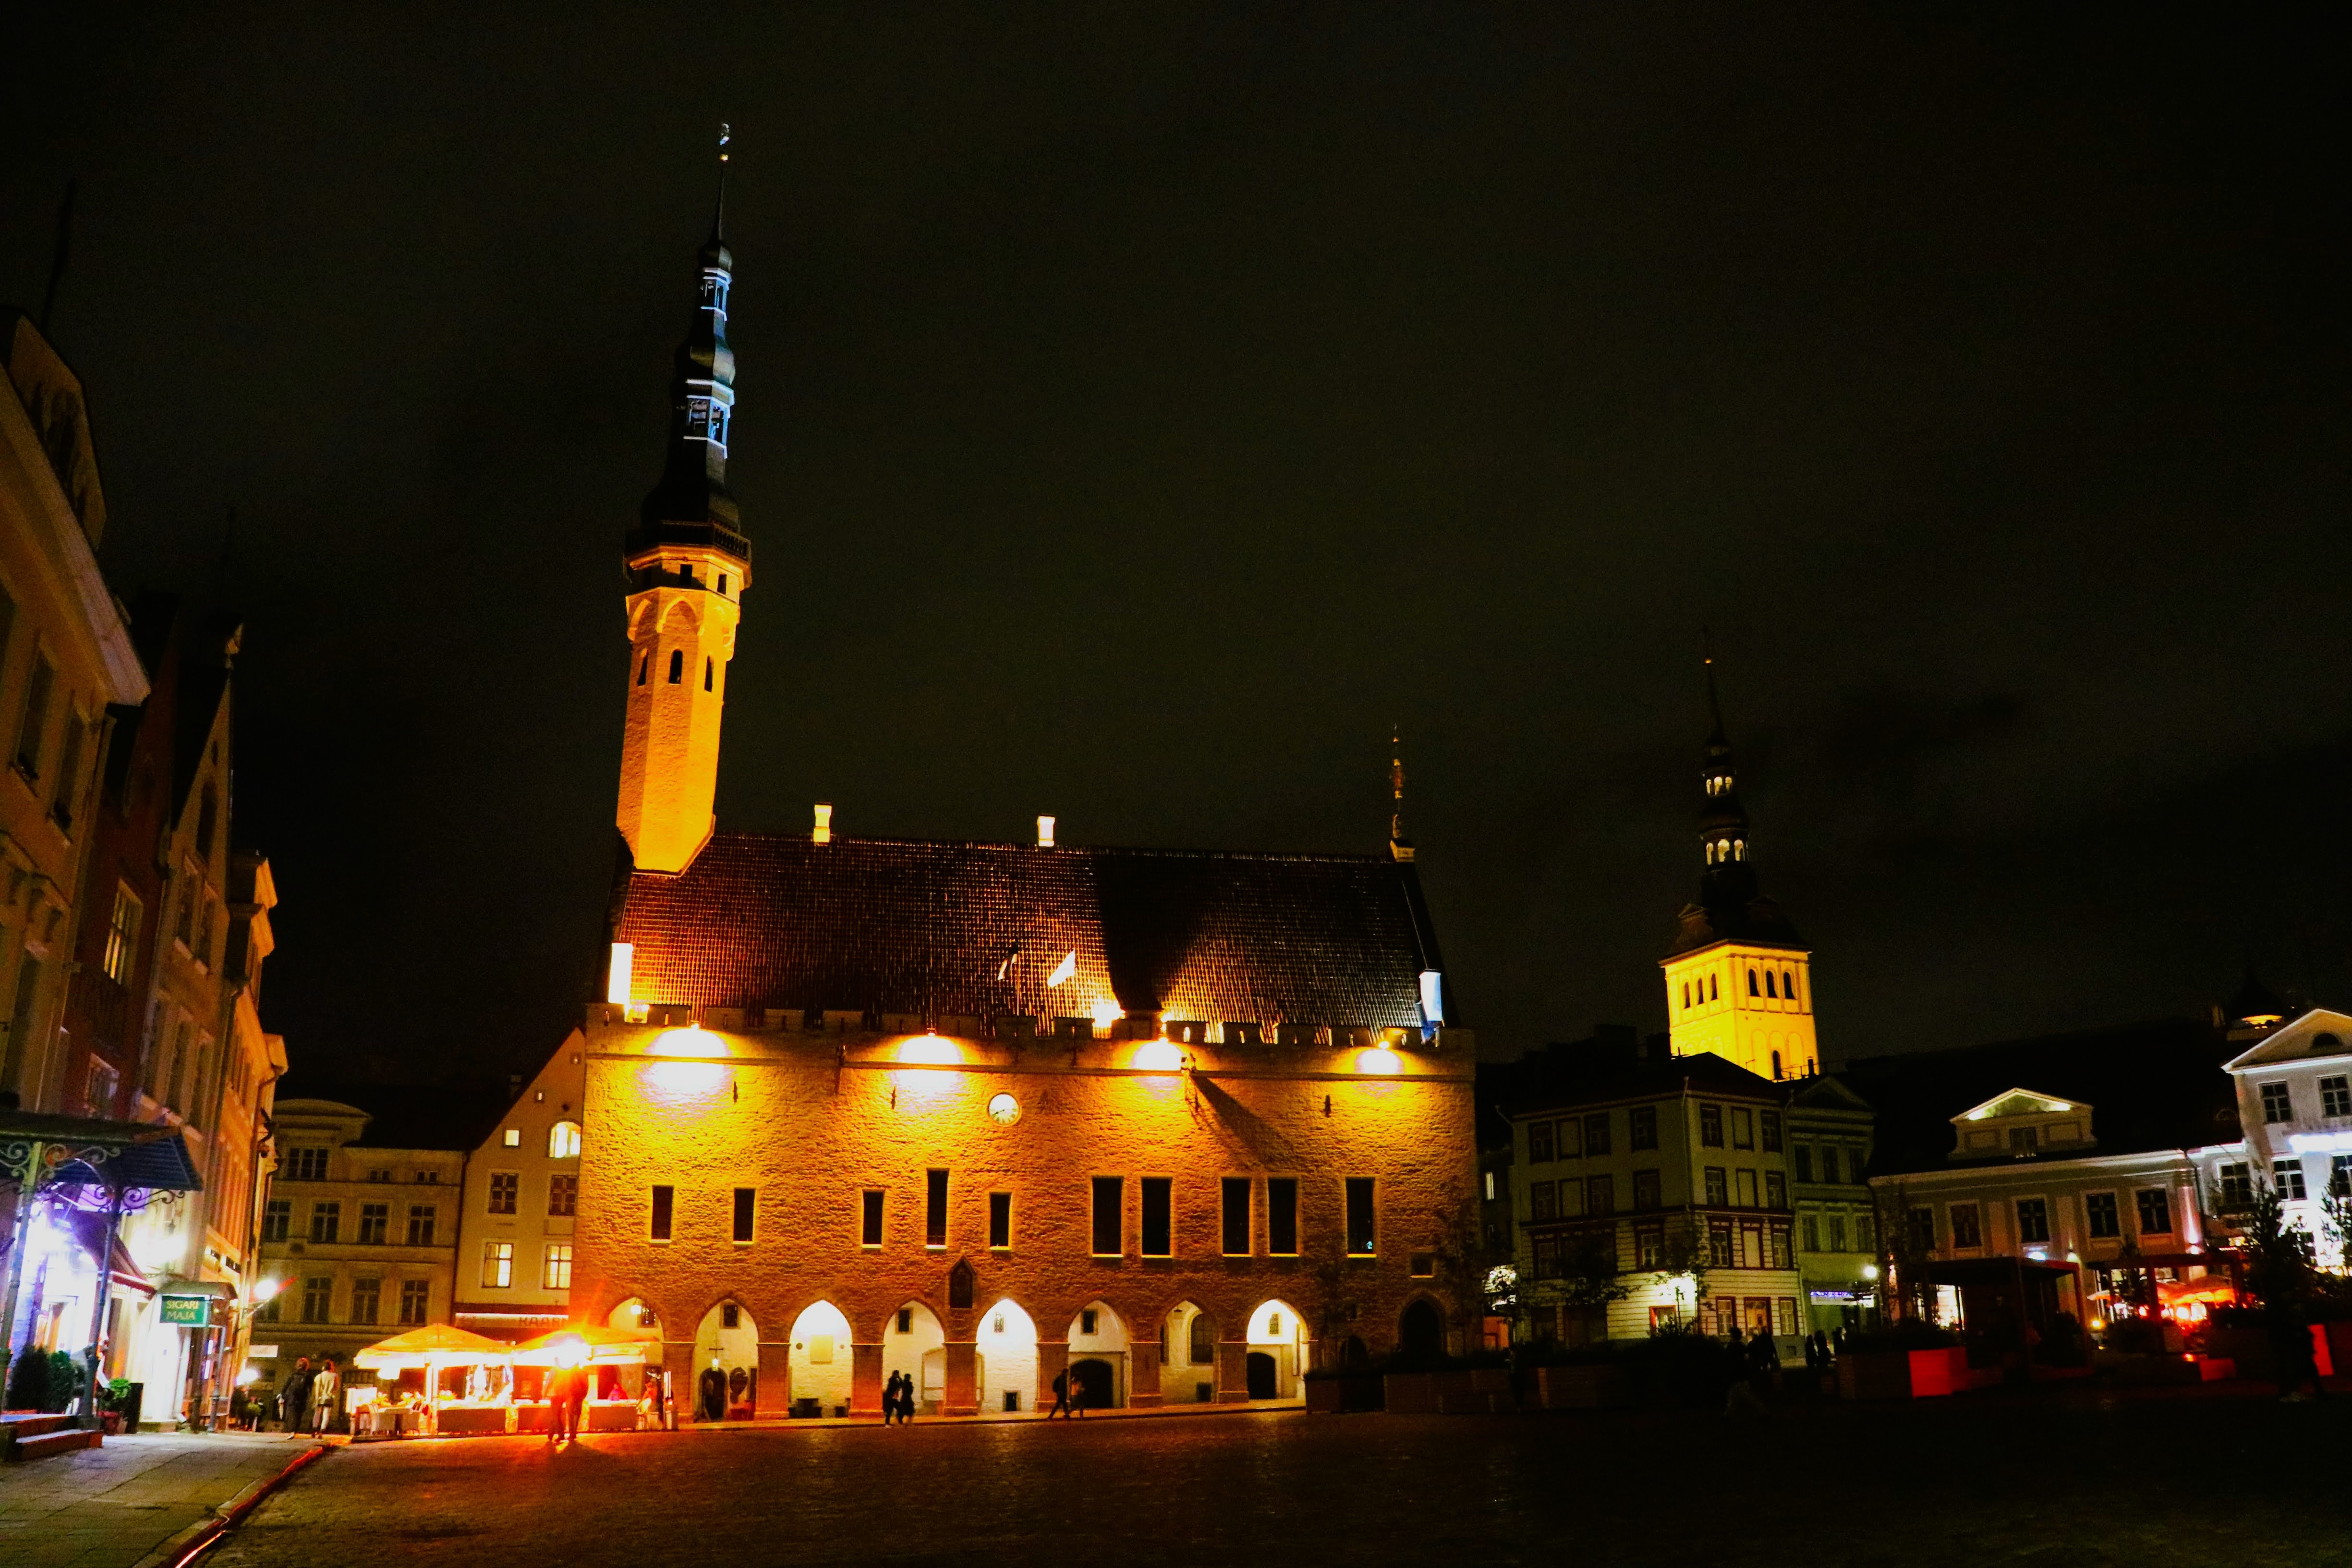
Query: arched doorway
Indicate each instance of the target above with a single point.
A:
(1097, 1340)
(914, 1343)
(1420, 1331)
(820, 1361)
(1187, 1356)
(1006, 1346)
(1277, 1352)
(725, 1364)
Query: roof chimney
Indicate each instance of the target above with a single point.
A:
(822, 832)
(1045, 833)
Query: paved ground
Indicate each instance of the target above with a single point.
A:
(2209, 1481)
(113, 1507)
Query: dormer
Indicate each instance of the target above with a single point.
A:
(2020, 1123)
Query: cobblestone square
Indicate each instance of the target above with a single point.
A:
(2240, 1480)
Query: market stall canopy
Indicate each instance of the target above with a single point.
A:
(435, 1343)
(601, 1346)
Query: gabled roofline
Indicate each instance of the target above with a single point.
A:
(1979, 1111)
(2270, 1038)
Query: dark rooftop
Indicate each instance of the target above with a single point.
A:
(940, 929)
(2155, 1085)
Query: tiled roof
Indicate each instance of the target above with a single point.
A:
(876, 925)
(2150, 1085)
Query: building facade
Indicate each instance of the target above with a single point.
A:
(1830, 1129)
(521, 1201)
(359, 1239)
(1177, 1124)
(67, 662)
(1662, 1181)
(2293, 1089)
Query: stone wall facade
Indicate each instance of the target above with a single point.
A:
(810, 1123)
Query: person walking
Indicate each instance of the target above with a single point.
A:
(295, 1403)
(326, 1387)
(1061, 1397)
(890, 1400)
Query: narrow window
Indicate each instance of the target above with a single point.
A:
(723, 582)
(644, 663)
(1642, 1126)
(1000, 1220)
(1788, 987)
(935, 1209)
(746, 1205)
(1968, 1230)
(677, 665)
(661, 1212)
(1360, 1216)
(556, 1271)
(1282, 1216)
(869, 1228)
(33, 728)
(1714, 991)
(1743, 1128)
(1109, 1195)
(1538, 1142)
(1776, 1067)
(1803, 1155)
(62, 809)
(1768, 990)
(1771, 1132)
(1751, 973)
(498, 1263)
(1596, 1133)
(1236, 1227)
(707, 667)
(1159, 1219)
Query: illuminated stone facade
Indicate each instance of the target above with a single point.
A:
(810, 1125)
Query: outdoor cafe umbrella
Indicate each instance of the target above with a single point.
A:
(597, 1346)
(433, 1347)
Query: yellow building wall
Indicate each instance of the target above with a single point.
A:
(811, 1124)
(1711, 1009)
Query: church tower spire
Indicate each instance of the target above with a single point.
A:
(1738, 977)
(1400, 847)
(687, 563)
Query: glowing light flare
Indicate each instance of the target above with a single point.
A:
(267, 1289)
(673, 1081)
(1379, 1061)
(1107, 1013)
(931, 1050)
(1157, 1056)
(570, 1351)
(693, 1043)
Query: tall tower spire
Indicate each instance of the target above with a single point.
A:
(1739, 978)
(1400, 847)
(687, 563)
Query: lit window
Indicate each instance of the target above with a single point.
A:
(513, 1138)
(498, 1265)
(557, 1273)
(563, 1140)
(122, 937)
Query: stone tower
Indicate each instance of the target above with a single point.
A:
(688, 564)
(1738, 977)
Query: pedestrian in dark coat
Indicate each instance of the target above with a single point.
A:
(297, 1400)
(1061, 1397)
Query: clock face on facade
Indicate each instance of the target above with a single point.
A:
(1004, 1110)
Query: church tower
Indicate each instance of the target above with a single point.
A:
(688, 564)
(1739, 978)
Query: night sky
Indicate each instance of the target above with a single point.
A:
(1142, 409)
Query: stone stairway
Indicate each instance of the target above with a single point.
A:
(25, 1435)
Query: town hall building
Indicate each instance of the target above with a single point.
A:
(1179, 1125)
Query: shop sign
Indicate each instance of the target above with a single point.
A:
(188, 1311)
(261, 1353)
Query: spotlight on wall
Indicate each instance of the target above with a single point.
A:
(1045, 833)
(616, 976)
(1157, 1056)
(1378, 1059)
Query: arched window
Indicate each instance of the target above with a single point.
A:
(1712, 990)
(1776, 1065)
(1768, 984)
(677, 665)
(1685, 995)
(563, 1140)
(1739, 849)
(1751, 984)
(644, 665)
(1789, 986)
(706, 674)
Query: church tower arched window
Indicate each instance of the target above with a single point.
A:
(677, 665)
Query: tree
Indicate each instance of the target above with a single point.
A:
(1903, 1259)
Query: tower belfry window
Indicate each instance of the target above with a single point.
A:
(677, 665)
(1714, 992)
(1768, 984)
(644, 664)
(706, 674)
(1752, 982)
